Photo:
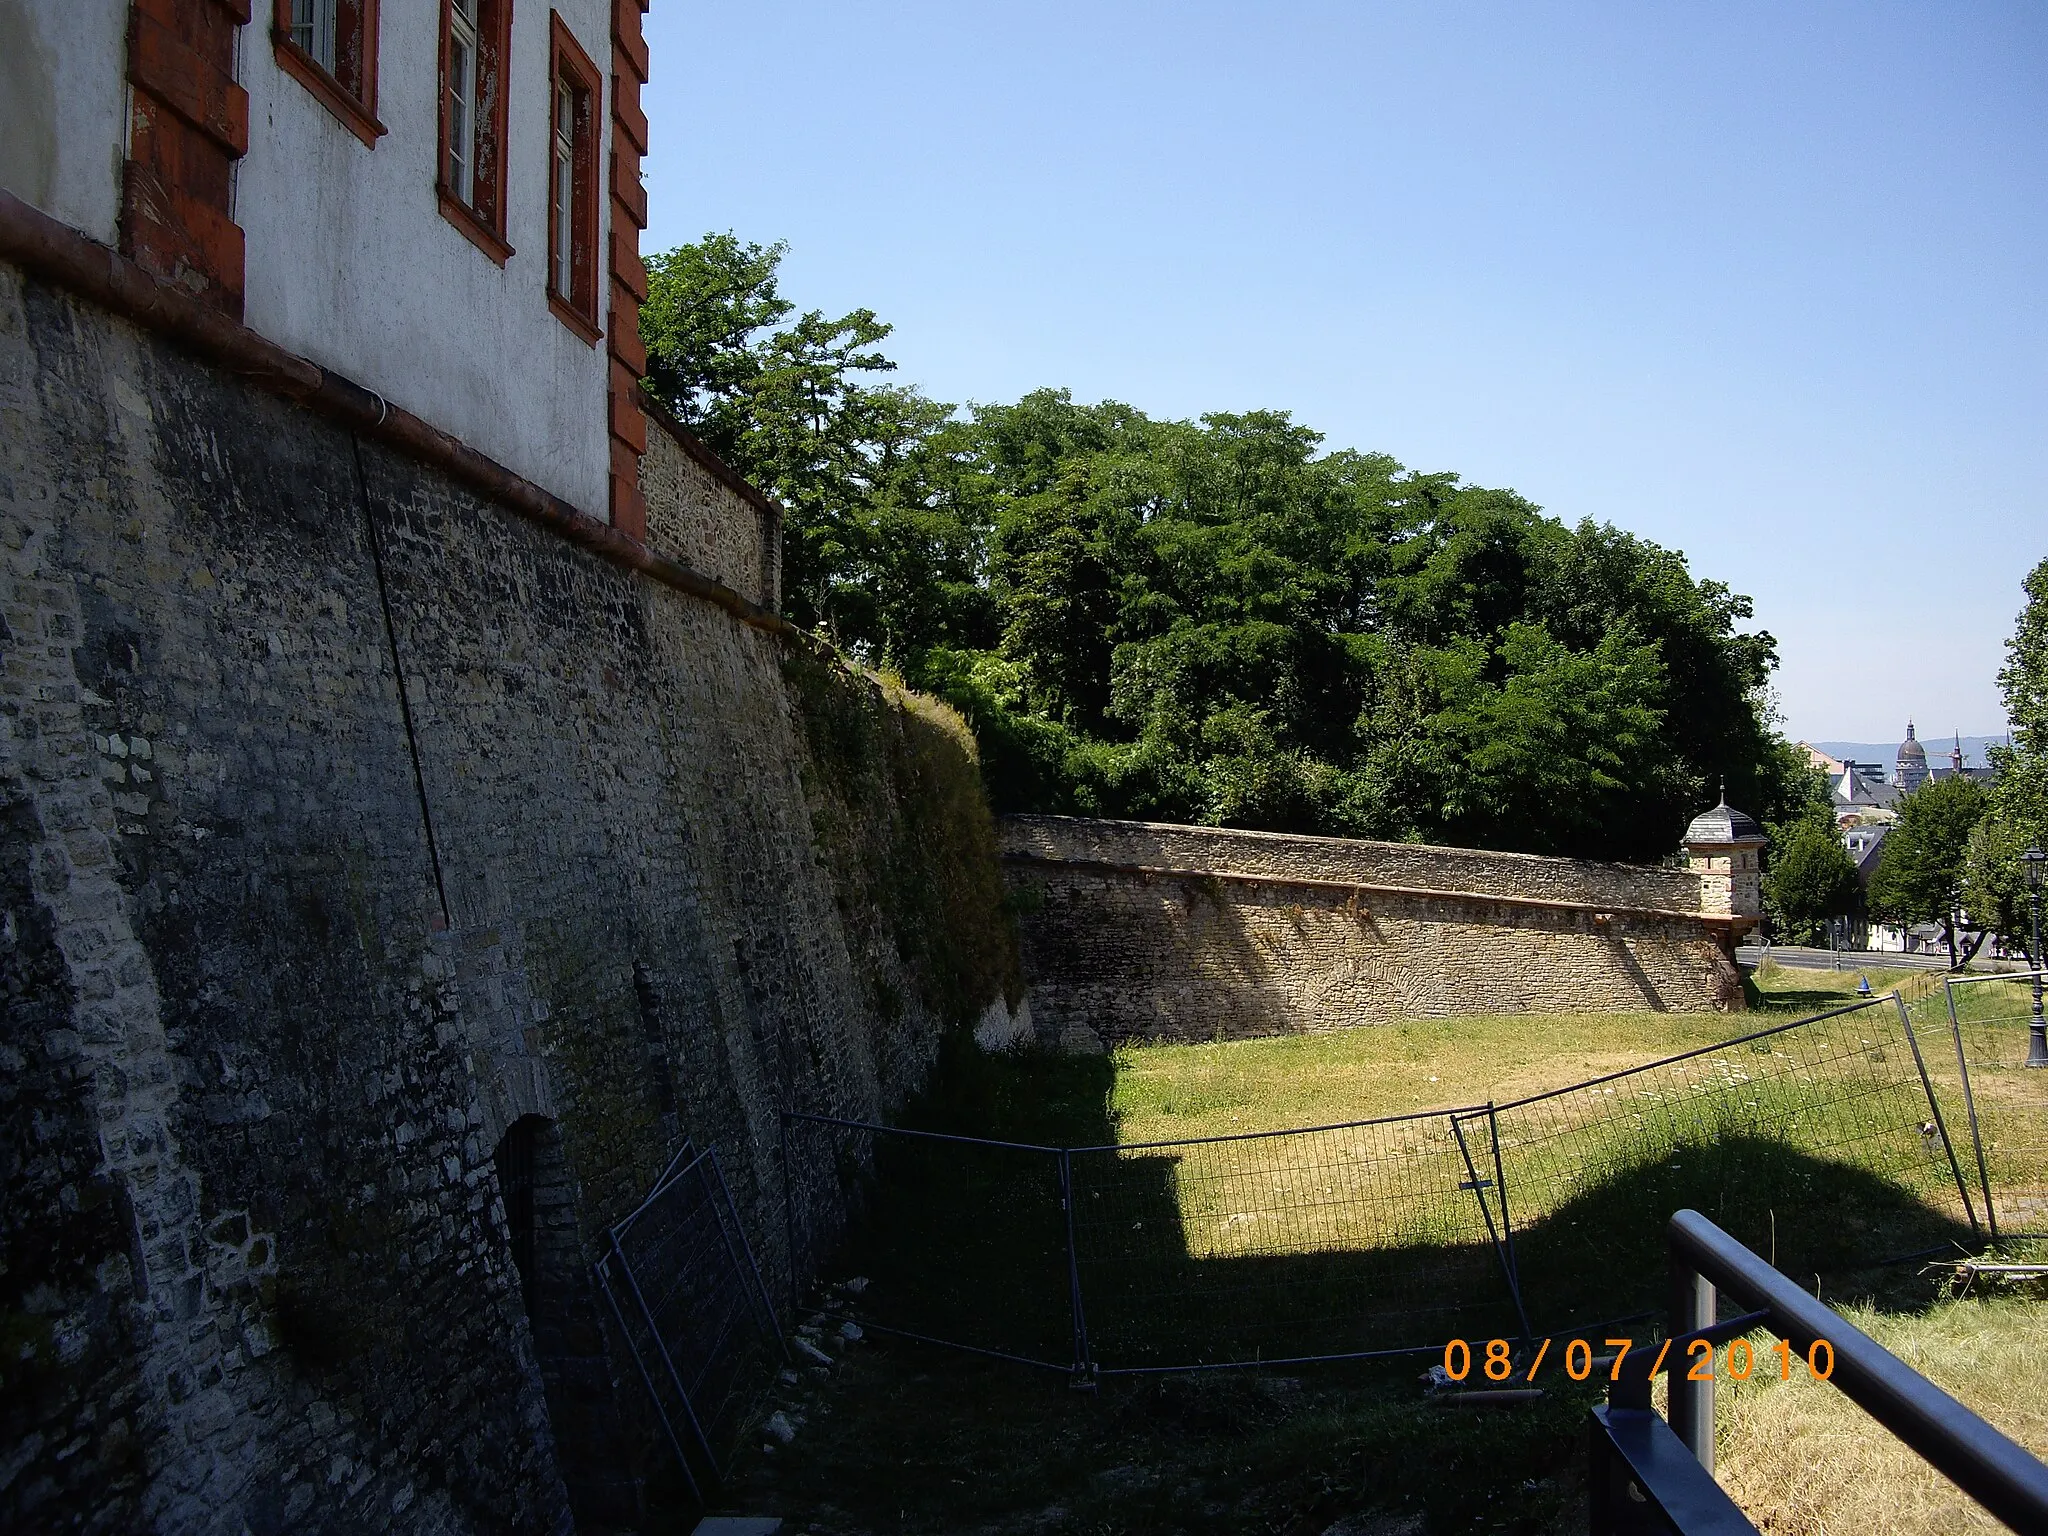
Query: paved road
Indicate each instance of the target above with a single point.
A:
(1862, 959)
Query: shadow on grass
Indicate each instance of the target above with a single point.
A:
(969, 1244)
(1802, 1000)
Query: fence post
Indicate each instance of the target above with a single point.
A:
(1478, 1188)
(668, 1427)
(746, 1249)
(1692, 1402)
(1955, 1029)
(1084, 1364)
(1507, 1225)
(1934, 1108)
(789, 1215)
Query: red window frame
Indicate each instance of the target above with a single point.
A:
(480, 214)
(349, 91)
(573, 295)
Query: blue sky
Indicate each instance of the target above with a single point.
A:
(1767, 284)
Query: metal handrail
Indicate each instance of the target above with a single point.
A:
(1998, 1473)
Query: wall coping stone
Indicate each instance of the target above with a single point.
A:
(1353, 864)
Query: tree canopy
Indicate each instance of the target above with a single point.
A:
(1811, 881)
(1920, 864)
(1221, 620)
(2016, 815)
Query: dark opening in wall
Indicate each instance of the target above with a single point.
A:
(554, 1281)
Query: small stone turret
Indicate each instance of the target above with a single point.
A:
(1724, 848)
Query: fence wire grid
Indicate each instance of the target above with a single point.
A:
(682, 1285)
(1826, 1143)
(1998, 1105)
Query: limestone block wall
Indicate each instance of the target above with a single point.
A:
(344, 821)
(1134, 931)
(700, 514)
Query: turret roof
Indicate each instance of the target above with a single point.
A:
(1724, 824)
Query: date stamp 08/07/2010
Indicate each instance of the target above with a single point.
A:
(1497, 1363)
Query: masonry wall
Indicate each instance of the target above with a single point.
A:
(700, 514)
(347, 820)
(1140, 932)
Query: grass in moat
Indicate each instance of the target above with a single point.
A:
(1165, 1092)
(901, 1437)
(897, 1437)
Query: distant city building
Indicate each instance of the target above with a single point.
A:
(1862, 842)
(1858, 790)
(1910, 772)
(1955, 768)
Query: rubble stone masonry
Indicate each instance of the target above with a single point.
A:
(1136, 932)
(347, 821)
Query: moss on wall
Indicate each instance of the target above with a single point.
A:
(903, 823)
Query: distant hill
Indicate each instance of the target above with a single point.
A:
(1937, 750)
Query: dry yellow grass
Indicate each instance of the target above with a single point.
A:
(1803, 1460)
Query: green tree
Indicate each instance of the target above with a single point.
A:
(1220, 620)
(875, 549)
(707, 305)
(1994, 883)
(1920, 864)
(2017, 817)
(1811, 879)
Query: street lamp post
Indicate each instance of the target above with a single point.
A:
(2036, 864)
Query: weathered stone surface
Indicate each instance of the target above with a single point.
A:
(1134, 931)
(695, 520)
(347, 821)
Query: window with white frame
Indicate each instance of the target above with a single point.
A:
(563, 186)
(313, 29)
(462, 99)
(330, 47)
(471, 175)
(573, 104)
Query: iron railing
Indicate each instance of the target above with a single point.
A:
(1641, 1465)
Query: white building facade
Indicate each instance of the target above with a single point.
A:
(439, 200)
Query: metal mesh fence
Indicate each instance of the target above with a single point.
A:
(687, 1296)
(1816, 1142)
(1977, 1030)
(1823, 1143)
(1341, 1240)
(960, 1240)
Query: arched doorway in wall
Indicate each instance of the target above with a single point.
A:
(541, 1226)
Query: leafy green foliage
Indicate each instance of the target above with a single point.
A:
(1919, 876)
(2017, 816)
(1811, 879)
(1219, 621)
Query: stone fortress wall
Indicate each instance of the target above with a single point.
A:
(352, 824)
(1134, 932)
(702, 515)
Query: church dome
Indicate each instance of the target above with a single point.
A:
(1910, 772)
(1724, 824)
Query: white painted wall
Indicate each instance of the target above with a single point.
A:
(63, 73)
(351, 264)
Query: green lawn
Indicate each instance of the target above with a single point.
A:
(1167, 1092)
